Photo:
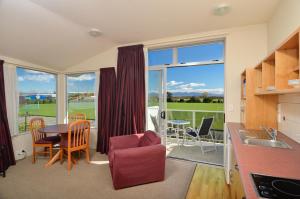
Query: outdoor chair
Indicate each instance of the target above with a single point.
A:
(170, 130)
(204, 130)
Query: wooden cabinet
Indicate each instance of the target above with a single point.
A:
(262, 84)
(236, 186)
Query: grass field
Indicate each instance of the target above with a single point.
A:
(49, 110)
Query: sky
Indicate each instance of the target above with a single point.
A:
(31, 81)
(198, 79)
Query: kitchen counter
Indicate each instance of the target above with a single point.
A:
(264, 160)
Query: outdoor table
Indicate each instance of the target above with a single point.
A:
(179, 125)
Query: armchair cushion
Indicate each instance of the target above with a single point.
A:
(149, 138)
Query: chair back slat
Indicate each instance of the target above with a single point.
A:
(72, 117)
(205, 126)
(35, 124)
(78, 134)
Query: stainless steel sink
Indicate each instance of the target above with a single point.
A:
(268, 143)
(250, 138)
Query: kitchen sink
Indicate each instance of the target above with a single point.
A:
(269, 143)
(261, 138)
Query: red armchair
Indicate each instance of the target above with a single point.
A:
(136, 159)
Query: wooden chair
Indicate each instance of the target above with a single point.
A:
(78, 140)
(40, 139)
(72, 117)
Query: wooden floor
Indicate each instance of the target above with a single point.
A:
(208, 183)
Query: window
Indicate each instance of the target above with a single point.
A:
(160, 57)
(81, 95)
(37, 97)
(203, 52)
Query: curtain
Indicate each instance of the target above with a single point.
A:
(106, 105)
(130, 96)
(12, 97)
(5, 137)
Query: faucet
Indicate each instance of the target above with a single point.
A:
(272, 132)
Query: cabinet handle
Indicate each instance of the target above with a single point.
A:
(236, 166)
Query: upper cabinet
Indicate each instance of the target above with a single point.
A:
(282, 65)
(261, 85)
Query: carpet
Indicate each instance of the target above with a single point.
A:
(89, 181)
(193, 153)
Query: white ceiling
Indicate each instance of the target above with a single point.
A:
(53, 33)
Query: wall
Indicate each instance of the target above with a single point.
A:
(285, 20)
(245, 46)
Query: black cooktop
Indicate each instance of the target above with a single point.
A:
(275, 187)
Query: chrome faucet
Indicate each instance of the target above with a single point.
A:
(272, 132)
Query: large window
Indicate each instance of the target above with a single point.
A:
(37, 97)
(81, 95)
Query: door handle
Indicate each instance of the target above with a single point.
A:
(163, 115)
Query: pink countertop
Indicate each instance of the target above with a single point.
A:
(264, 160)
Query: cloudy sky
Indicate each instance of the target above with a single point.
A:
(198, 79)
(30, 81)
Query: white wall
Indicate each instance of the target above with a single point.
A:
(245, 46)
(285, 20)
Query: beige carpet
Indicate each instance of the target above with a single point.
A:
(89, 181)
(194, 153)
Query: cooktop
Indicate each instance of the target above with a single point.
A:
(276, 187)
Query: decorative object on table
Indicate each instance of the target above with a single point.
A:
(78, 140)
(294, 83)
(136, 159)
(40, 139)
(204, 130)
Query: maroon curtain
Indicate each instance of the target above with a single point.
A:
(130, 97)
(8, 158)
(106, 104)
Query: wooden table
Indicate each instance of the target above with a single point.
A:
(62, 130)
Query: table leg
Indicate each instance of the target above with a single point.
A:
(54, 159)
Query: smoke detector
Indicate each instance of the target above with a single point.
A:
(94, 32)
(221, 9)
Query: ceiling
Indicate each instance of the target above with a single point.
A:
(54, 33)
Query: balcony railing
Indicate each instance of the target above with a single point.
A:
(194, 117)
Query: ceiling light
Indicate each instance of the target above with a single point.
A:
(94, 32)
(221, 9)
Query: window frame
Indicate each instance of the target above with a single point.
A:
(175, 56)
(66, 96)
(56, 89)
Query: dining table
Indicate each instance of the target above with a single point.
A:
(57, 129)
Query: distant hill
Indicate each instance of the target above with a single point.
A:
(187, 94)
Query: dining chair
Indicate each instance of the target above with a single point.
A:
(204, 130)
(78, 140)
(41, 139)
(72, 117)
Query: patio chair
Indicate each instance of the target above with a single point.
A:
(170, 130)
(204, 130)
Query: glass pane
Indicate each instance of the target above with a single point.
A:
(203, 52)
(81, 95)
(154, 96)
(37, 97)
(160, 57)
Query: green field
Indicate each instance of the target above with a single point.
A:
(195, 106)
(49, 110)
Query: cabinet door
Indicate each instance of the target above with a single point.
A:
(236, 187)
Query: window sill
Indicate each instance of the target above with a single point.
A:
(20, 134)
